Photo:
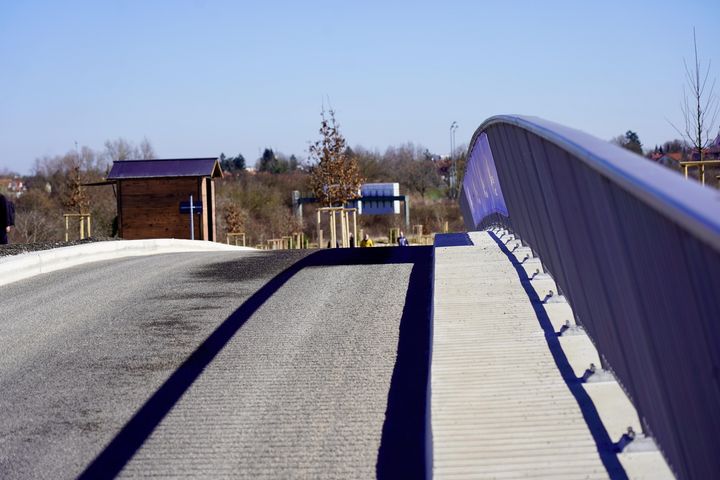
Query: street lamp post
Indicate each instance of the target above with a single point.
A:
(453, 166)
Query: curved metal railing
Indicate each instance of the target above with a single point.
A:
(635, 248)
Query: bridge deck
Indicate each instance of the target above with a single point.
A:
(285, 364)
(500, 406)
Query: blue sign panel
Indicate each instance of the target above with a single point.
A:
(379, 206)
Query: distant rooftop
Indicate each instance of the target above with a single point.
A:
(171, 167)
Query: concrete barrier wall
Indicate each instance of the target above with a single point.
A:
(636, 250)
(18, 267)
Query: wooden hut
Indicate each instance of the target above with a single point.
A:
(153, 197)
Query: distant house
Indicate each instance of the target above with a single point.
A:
(670, 160)
(711, 152)
(14, 185)
(153, 197)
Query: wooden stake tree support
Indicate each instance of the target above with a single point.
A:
(84, 220)
(235, 237)
(393, 236)
(276, 243)
(297, 240)
(235, 219)
(77, 199)
(701, 167)
(333, 213)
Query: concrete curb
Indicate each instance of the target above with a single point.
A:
(26, 265)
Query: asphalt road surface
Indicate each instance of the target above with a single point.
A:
(258, 365)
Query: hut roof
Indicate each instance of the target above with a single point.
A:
(172, 167)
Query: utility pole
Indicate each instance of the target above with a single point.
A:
(453, 164)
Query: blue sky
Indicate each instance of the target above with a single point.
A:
(201, 77)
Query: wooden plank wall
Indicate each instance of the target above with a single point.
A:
(211, 210)
(150, 208)
(203, 191)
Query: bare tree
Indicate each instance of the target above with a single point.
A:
(700, 105)
(421, 175)
(36, 226)
(335, 179)
(235, 218)
(146, 150)
(119, 149)
(76, 198)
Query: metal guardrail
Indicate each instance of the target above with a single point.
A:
(635, 248)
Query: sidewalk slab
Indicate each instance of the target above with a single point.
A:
(500, 408)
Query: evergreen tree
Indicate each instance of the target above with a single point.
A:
(238, 162)
(232, 164)
(268, 161)
(632, 142)
(629, 141)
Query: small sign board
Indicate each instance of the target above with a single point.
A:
(381, 207)
(185, 207)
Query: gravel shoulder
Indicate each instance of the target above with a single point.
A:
(18, 248)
